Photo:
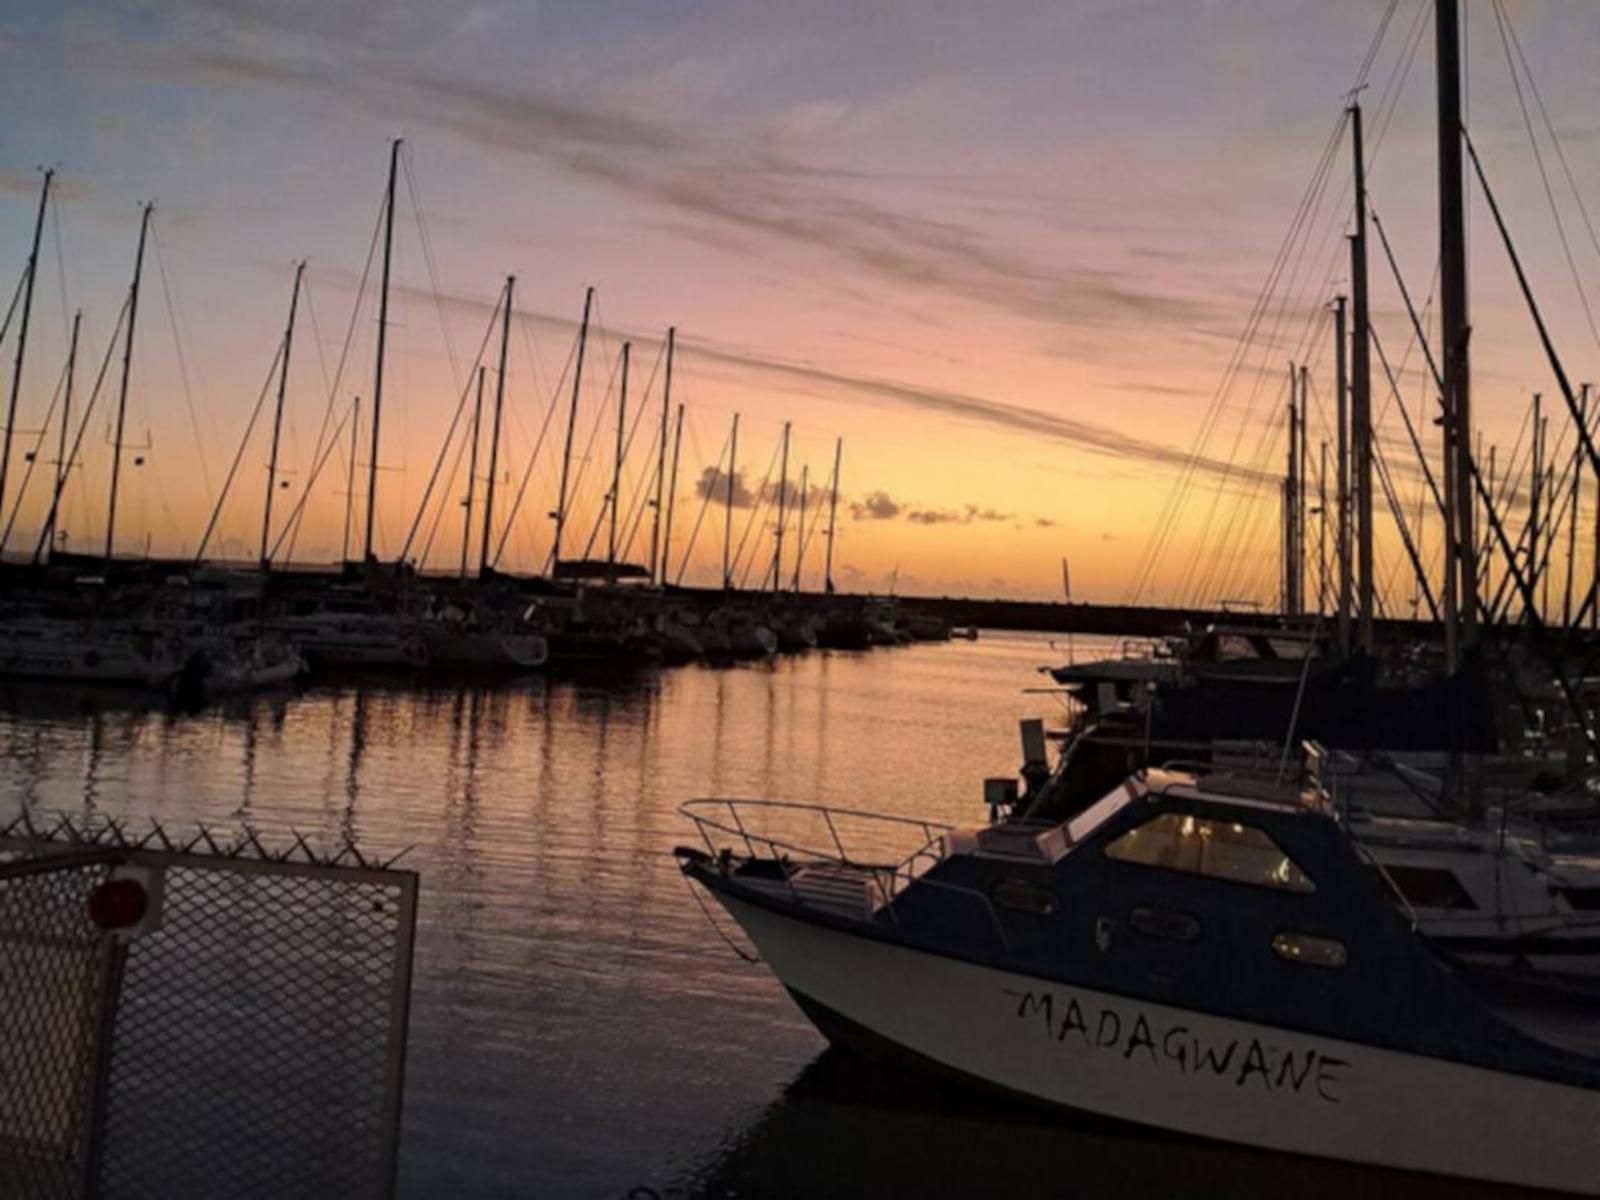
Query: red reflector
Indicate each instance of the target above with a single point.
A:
(118, 903)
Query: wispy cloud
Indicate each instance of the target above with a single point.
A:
(737, 194)
(1015, 418)
(970, 515)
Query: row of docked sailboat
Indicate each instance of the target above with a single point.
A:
(111, 620)
(1286, 886)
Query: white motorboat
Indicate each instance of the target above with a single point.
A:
(1203, 954)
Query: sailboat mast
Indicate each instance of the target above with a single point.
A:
(1341, 541)
(1291, 496)
(472, 470)
(122, 390)
(616, 468)
(494, 435)
(1453, 309)
(659, 576)
(727, 514)
(1572, 516)
(572, 422)
(1535, 482)
(22, 335)
(62, 465)
(783, 496)
(1322, 529)
(383, 330)
(1361, 395)
(672, 499)
(350, 478)
(833, 512)
(800, 526)
(1302, 488)
(277, 419)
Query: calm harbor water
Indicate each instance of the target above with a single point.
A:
(577, 1028)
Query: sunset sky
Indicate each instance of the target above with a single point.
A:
(1005, 251)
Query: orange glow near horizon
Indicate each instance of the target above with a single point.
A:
(1009, 273)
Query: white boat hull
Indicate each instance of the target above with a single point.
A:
(1186, 1071)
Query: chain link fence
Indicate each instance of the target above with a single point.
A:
(240, 1031)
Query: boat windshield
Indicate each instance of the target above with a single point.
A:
(1098, 813)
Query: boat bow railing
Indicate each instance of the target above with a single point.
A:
(887, 853)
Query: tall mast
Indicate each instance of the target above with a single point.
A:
(1301, 490)
(1361, 394)
(659, 576)
(1536, 487)
(727, 515)
(800, 527)
(1572, 517)
(672, 498)
(616, 469)
(1594, 620)
(833, 512)
(1341, 539)
(1291, 498)
(1322, 530)
(62, 465)
(22, 336)
(122, 390)
(572, 421)
(383, 330)
(494, 435)
(472, 470)
(350, 478)
(783, 496)
(277, 419)
(1454, 331)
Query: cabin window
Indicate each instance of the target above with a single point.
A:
(1215, 849)
(1310, 950)
(1021, 896)
(1429, 887)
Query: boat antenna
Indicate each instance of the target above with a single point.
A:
(22, 333)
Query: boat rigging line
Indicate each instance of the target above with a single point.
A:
(183, 362)
(450, 433)
(533, 458)
(63, 387)
(238, 455)
(46, 531)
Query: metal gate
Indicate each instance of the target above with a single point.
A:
(198, 1018)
